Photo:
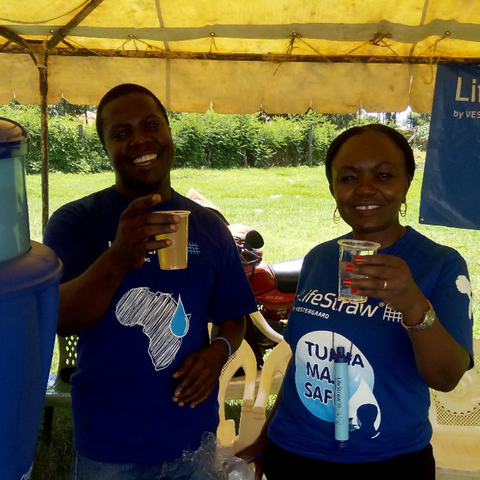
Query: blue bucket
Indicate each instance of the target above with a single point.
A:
(28, 321)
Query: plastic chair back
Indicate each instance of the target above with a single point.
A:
(243, 358)
(58, 387)
(455, 417)
(270, 382)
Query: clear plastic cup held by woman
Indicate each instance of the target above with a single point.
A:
(349, 249)
(175, 256)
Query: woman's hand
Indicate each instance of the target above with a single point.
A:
(389, 279)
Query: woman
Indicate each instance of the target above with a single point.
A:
(414, 331)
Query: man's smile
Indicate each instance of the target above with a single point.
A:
(145, 159)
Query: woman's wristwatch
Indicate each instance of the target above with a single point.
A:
(428, 319)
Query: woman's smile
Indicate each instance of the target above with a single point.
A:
(366, 207)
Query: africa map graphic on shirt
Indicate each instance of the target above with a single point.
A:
(314, 379)
(164, 321)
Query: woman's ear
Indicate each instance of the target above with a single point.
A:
(408, 183)
(330, 186)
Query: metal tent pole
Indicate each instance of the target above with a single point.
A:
(43, 78)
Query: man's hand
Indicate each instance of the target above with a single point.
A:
(136, 232)
(199, 374)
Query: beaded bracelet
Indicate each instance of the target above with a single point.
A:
(228, 344)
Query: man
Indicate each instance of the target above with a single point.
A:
(134, 371)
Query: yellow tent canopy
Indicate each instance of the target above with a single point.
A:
(237, 56)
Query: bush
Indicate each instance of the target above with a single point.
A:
(187, 137)
(75, 148)
(212, 140)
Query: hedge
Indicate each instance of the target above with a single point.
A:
(72, 147)
(207, 140)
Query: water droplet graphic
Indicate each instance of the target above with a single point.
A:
(179, 323)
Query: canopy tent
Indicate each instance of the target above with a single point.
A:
(237, 56)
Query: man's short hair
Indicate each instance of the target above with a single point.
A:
(121, 91)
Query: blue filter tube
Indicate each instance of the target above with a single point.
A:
(341, 397)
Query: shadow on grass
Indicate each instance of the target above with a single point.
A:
(52, 461)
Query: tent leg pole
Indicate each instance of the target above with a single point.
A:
(43, 75)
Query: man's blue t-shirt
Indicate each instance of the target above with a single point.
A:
(389, 401)
(123, 387)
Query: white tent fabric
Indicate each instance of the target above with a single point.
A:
(237, 56)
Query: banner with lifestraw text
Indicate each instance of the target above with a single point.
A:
(451, 182)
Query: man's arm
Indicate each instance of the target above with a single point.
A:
(85, 299)
(200, 371)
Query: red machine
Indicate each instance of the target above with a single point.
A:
(273, 285)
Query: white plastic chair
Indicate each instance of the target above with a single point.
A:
(455, 417)
(58, 387)
(236, 385)
(243, 358)
(253, 410)
(270, 383)
(260, 322)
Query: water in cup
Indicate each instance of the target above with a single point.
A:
(349, 249)
(175, 256)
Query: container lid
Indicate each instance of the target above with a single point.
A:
(14, 139)
(29, 273)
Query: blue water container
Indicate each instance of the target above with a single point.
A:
(29, 278)
(14, 225)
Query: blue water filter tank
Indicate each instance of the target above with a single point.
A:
(29, 279)
(14, 225)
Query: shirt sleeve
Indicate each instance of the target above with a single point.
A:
(451, 298)
(67, 235)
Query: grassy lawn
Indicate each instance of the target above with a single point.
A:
(291, 207)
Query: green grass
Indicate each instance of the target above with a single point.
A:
(52, 461)
(291, 207)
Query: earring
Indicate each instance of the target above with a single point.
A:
(403, 212)
(336, 217)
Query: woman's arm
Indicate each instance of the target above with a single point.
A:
(440, 359)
